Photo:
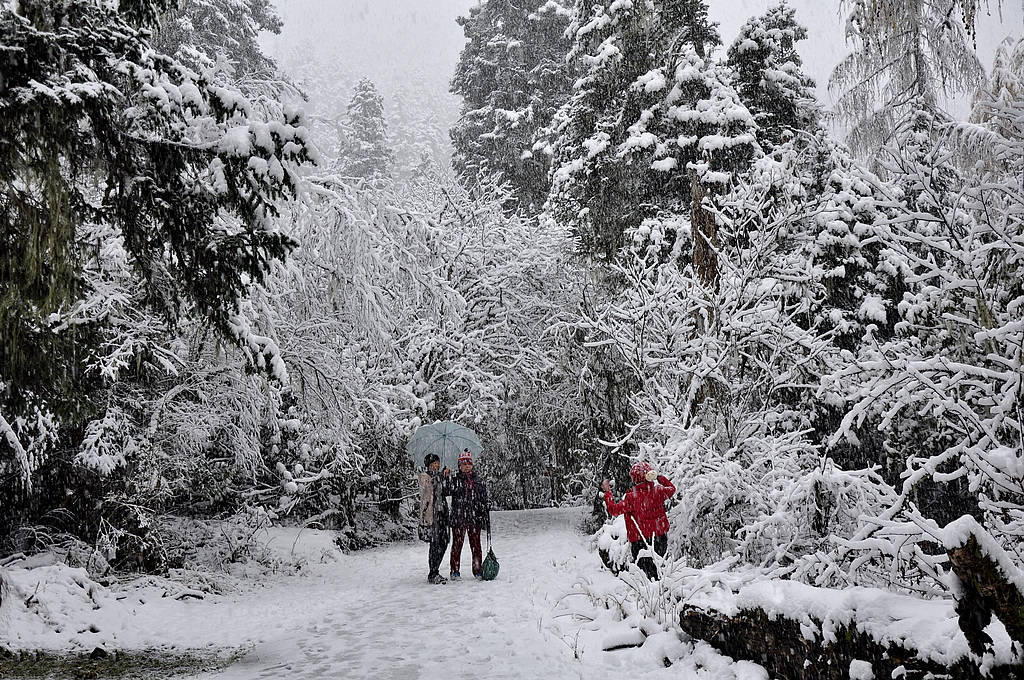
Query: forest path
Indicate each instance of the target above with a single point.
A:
(371, 614)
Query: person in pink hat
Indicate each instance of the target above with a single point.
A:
(644, 508)
(470, 514)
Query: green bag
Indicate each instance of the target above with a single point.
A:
(489, 569)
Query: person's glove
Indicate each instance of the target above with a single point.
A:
(651, 475)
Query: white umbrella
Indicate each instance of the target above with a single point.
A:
(447, 439)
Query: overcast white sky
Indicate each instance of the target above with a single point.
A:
(383, 39)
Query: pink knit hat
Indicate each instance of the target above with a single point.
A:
(639, 471)
(465, 457)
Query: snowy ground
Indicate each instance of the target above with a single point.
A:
(552, 613)
(372, 615)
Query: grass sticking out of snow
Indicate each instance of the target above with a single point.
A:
(141, 664)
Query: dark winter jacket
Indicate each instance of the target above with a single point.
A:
(433, 504)
(470, 507)
(644, 508)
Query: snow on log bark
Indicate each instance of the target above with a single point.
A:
(781, 646)
(990, 584)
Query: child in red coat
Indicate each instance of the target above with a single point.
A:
(644, 508)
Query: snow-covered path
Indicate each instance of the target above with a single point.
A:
(371, 614)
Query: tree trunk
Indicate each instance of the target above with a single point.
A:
(705, 233)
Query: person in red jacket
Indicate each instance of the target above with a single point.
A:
(644, 508)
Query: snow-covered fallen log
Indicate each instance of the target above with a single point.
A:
(989, 583)
(800, 631)
(22, 561)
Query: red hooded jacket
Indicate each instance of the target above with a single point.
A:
(644, 507)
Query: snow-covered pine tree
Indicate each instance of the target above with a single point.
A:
(854, 283)
(687, 21)
(662, 141)
(652, 131)
(200, 32)
(365, 152)
(698, 134)
(597, 192)
(768, 76)
(904, 51)
(111, 141)
(512, 77)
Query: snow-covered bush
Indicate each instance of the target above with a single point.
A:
(612, 546)
(953, 360)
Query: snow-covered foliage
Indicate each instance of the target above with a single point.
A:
(1003, 89)
(903, 52)
(647, 118)
(200, 33)
(139, 195)
(769, 78)
(726, 375)
(652, 248)
(953, 360)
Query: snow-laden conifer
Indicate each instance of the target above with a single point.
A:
(365, 152)
(512, 77)
(768, 74)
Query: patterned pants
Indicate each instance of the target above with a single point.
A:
(458, 536)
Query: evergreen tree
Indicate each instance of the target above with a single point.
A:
(686, 21)
(703, 135)
(652, 133)
(597, 195)
(200, 32)
(923, 171)
(107, 142)
(365, 151)
(512, 77)
(768, 76)
(599, 187)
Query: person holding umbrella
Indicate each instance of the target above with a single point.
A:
(470, 514)
(434, 484)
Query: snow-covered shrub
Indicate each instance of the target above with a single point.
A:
(612, 545)
(730, 403)
(953, 360)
